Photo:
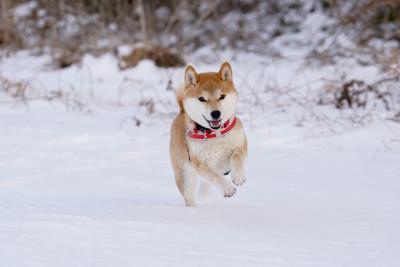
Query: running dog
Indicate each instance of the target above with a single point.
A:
(207, 139)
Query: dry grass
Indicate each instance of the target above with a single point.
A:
(24, 92)
(16, 90)
(161, 56)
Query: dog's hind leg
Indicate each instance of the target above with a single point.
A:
(186, 181)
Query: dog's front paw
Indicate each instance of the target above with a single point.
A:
(230, 191)
(238, 180)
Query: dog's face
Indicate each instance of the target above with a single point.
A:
(210, 98)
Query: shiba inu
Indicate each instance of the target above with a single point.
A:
(207, 139)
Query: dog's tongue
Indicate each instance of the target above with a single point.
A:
(215, 123)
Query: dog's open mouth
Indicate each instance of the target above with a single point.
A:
(214, 124)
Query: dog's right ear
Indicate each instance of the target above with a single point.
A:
(191, 76)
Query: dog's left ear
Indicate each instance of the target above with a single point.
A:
(225, 72)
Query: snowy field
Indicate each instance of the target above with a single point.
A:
(87, 187)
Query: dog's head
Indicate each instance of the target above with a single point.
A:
(210, 98)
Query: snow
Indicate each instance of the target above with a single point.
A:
(25, 9)
(92, 188)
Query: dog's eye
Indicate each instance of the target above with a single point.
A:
(202, 99)
(221, 97)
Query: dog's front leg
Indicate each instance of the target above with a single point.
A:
(204, 170)
(237, 165)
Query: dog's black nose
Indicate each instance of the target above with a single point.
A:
(215, 114)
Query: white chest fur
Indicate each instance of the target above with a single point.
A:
(216, 152)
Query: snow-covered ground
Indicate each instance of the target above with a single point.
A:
(87, 187)
(93, 190)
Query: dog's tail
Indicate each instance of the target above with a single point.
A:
(179, 98)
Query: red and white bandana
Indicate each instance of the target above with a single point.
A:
(210, 134)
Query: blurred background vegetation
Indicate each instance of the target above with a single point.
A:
(70, 28)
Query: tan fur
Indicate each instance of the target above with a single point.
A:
(209, 158)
